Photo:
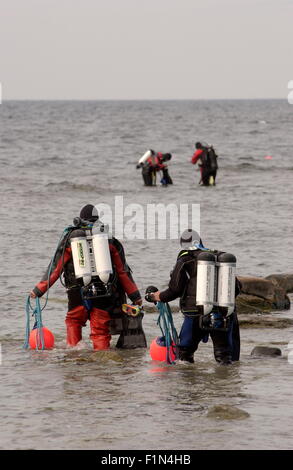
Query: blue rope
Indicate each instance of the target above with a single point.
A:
(169, 333)
(37, 311)
(65, 231)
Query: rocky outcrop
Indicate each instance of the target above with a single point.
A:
(285, 281)
(263, 295)
(252, 304)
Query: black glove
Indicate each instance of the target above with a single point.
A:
(148, 293)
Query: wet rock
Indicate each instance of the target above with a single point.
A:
(263, 321)
(262, 294)
(226, 412)
(105, 356)
(266, 351)
(285, 281)
(252, 304)
(96, 356)
(153, 309)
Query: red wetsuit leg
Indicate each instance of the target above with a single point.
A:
(100, 329)
(75, 320)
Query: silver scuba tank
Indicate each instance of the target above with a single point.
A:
(91, 254)
(101, 253)
(205, 285)
(81, 256)
(226, 278)
(144, 158)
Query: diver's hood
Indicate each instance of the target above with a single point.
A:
(190, 240)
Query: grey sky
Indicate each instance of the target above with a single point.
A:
(144, 49)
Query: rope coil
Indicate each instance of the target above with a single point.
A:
(37, 311)
(169, 333)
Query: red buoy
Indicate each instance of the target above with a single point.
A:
(158, 350)
(35, 339)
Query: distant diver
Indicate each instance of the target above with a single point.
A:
(207, 158)
(151, 163)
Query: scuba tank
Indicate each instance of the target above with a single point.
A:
(215, 290)
(210, 158)
(226, 282)
(81, 256)
(144, 158)
(92, 260)
(102, 256)
(205, 285)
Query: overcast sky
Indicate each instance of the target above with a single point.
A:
(145, 49)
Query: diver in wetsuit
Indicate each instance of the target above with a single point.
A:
(206, 158)
(152, 164)
(97, 301)
(196, 326)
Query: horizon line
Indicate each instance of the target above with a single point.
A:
(145, 99)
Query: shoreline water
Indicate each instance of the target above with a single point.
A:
(57, 158)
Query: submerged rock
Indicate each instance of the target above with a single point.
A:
(226, 412)
(263, 321)
(266, 351)
(103, 357)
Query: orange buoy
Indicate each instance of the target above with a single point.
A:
(268, 157)
(158, 350)
(35, 339)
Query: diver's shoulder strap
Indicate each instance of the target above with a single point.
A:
(192, 253)
(76, 232)
(183, 253)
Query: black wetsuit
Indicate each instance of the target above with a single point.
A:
(183, 284)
